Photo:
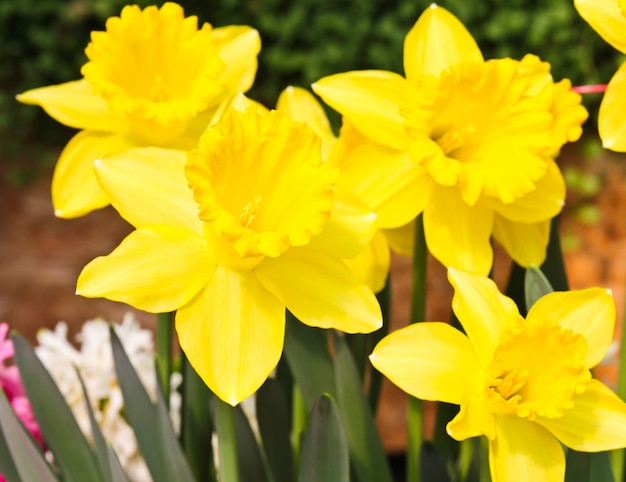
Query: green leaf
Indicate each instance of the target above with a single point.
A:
(433, 464)
(72, 452)
(249, 458)
(325, 455)
(196, 426)
(153, 430)
(588, 467)
(273, 416)
(306, 350)
(536, 285)
(102, 455)
(27, 463)
(366, 449)
(115, 467)
(228, 468)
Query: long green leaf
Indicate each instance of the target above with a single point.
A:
(153, 431)
(366, 449)
(536, 285)
(28, 463)
(273, 417)
(325, 454)
(249, 456)
(7, 466)
(72, 452)
(306, 350)
(588, 467)
(228, 468)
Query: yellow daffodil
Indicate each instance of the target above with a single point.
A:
(372, 263)
(523, 383)
(247, 224)
(153, 79)
(474, 139)
(608, 19)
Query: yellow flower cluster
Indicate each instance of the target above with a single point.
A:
(241, 212)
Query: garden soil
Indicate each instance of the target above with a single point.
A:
(41, 257)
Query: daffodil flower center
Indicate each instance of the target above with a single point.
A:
(537, 369)
(156, 67)
(485, 127)
(261, 186)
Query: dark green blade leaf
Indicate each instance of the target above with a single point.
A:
(273, 417)
(325, 456)
(588, 467)
(102, 455)
(150, 422)
(306, 350)
(117, 472)
(72, 452)
(249, 458)
(196, 429)
(366, 449)
(536, 285)
(25, 457)
(433, 464)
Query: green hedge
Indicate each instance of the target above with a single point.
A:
(42, 42)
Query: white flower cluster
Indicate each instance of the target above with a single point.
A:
(94, 360)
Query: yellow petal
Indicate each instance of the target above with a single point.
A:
(349, 228)
(596, 422)
(482, 310)
(589, 312)
(431, 361)
(372, 263)
(458, 234)
(162, 196)
(402, 239)
(611, 121)
(437, 40)
(606, 18)
(524, 451)
(157, 269)
(239, 48)
(75, 189)
(320, 291)
(232, 332)
(75, 105)
(540, 204)
(302, 106)
(388, 180)
(474, 419)
(371, 100)
(526, 243)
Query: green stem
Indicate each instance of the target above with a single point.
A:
(299, 420)
(164, 352)
(228, 470)
(418, 314)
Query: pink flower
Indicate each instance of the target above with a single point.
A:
(11, 384)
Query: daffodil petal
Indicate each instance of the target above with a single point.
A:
(402, 239)
(371, 100)
(75, 189)
(526, 243)
(130, 274)
(75, 105)
(429, 360)
(232, 332)
(320, 291)
(544, 202)
(239, 48)
(302, 106)
(524, 451)
(482, 310)
(474, 419)
(349, 228)
(437, 40)
(596, 422)
(372, 264)
(388, 180)
(606, 18)
(458, 234)
(162, 195)
(611, 122)
(589, 312)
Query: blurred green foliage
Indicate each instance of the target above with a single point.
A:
(42, 43)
